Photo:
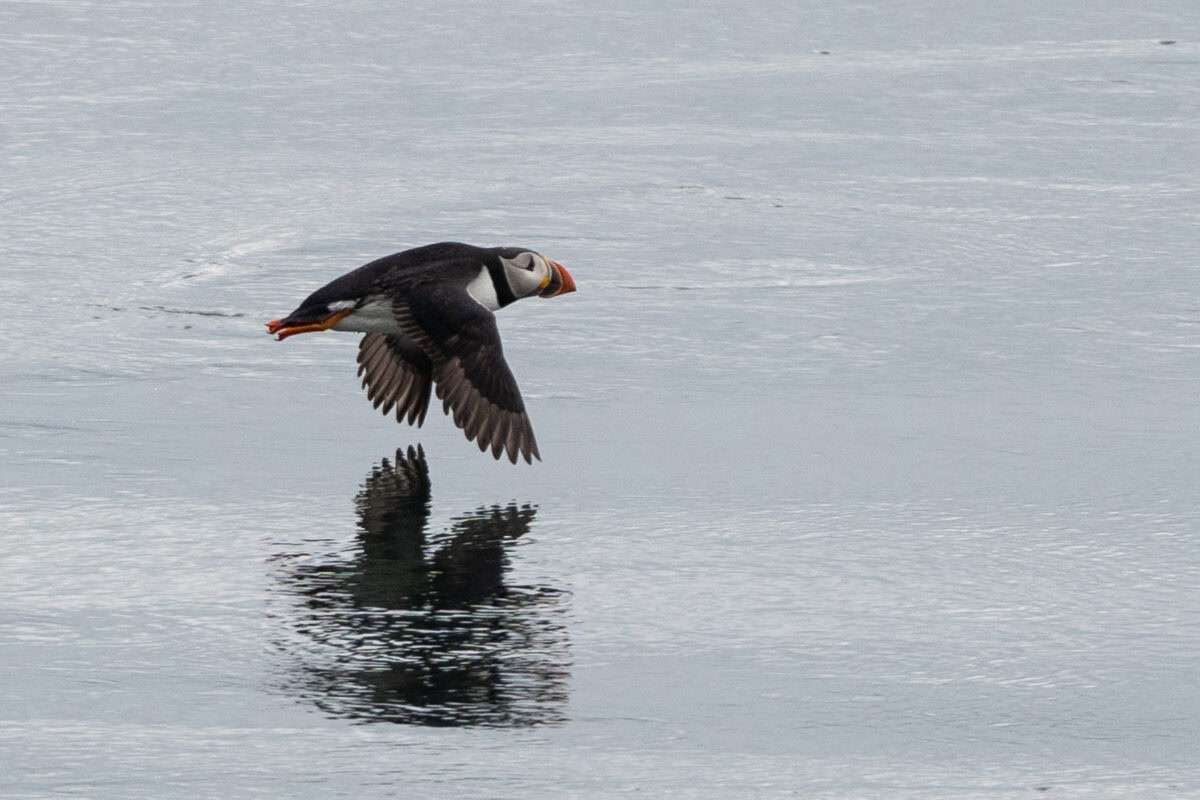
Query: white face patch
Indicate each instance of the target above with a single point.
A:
(483, 291)
(526, 272)
(342, 305)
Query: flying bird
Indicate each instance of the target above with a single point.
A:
(428, 315)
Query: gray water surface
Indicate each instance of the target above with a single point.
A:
(870, 437)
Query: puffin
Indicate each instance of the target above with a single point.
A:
(429, 318)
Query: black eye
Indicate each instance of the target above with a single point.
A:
(530, 267)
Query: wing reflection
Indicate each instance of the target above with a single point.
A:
(422, 629)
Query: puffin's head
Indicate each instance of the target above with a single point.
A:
(531, 273)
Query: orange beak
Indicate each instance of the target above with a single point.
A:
(561, 281)
(283, 330)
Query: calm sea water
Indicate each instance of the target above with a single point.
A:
(870, 436)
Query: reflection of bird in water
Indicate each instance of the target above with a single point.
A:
(424, 630)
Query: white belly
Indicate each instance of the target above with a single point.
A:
(374, 317)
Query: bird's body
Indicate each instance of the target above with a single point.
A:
(428, 316)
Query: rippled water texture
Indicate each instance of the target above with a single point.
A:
(870, 437)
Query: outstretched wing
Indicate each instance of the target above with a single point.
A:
(396, 373)
(472, 379)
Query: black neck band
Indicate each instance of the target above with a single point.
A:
(504, 292)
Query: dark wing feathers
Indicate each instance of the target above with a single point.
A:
(489, 424)
(395, 374)
(471, 377)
